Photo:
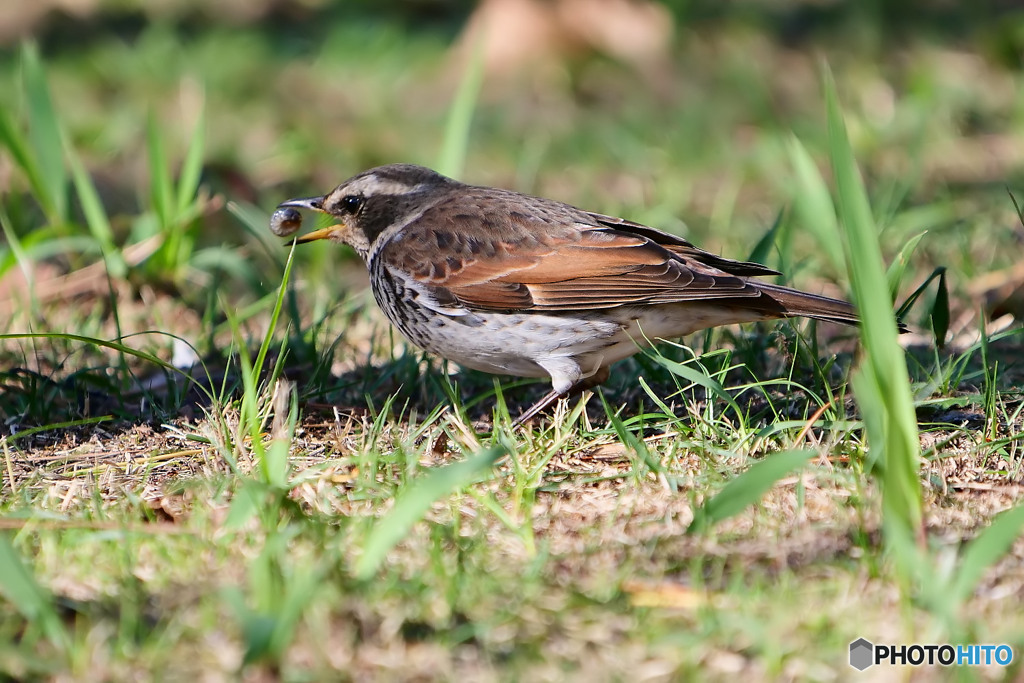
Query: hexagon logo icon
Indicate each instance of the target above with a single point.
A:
(861, 654)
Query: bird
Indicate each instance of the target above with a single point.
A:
(513, 284)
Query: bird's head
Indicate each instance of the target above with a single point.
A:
(369, 203)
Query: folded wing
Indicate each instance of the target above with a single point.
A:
(576, 261)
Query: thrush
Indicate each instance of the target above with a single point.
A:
(513, 284)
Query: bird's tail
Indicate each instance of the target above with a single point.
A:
(796, 304)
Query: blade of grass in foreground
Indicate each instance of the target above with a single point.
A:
(273, 461)
(882, 382)
(414, 502)
(813, 203)
(278, 592)
(19, 587)
(748, 488)
(985, 550)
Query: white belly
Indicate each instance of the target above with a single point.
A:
(527, 344)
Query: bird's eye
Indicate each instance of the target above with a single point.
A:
(350, 203)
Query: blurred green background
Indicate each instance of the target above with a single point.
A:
(666, 113)
(677, 114)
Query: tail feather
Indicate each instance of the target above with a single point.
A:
(796, 304)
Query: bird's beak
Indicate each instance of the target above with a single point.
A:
(312, 204)
(321, 234)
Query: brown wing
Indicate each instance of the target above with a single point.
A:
(684, 248)
(495, 250)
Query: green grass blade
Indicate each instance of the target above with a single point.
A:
(192, 166)
(414, 502)
(19, 587)
(112, 345)
(909, 302)
(898, 268)
(96, 217)
(45, 134)
(275, 315)
(761, 250)
(19, 254)
(301, 587)
(15, 143)
(119, 347)
(747, 488)
(939, 314)
(889, 385)
(695, 377)
(460, 118)
(228, 259)
(257, 629)
(629, 439)
(53, 426)
(985, 550)
(273, 471)
(160, 184)
(813, 203)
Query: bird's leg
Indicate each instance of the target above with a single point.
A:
(599, 377)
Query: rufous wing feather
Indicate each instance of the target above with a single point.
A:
(533, 262)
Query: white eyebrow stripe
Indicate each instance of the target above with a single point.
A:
(372, 185)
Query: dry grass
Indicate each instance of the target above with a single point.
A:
(592, 576)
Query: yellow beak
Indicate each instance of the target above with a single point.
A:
(321, 234)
